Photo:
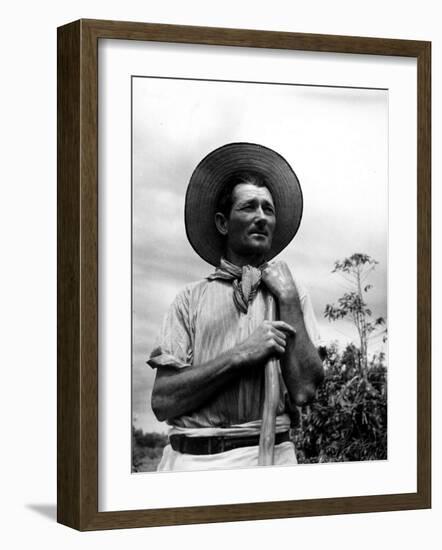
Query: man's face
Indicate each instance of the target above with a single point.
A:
(252, 221)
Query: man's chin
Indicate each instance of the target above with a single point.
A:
(258, 249)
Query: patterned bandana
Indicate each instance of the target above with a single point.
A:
(246, 281)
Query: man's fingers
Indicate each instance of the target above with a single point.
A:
(280, 334)
(280, 340)
(278, 346)
(280, 349)
(282, 325)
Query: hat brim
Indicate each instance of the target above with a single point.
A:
(210, 176)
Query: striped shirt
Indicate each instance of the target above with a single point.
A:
(202, 323)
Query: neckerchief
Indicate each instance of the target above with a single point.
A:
(245, 280)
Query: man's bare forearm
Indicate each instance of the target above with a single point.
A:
(301, 365)
(179, 391)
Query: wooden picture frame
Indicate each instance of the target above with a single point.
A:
(77, 224)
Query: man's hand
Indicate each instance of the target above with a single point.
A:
(279, 281)
(268, 340)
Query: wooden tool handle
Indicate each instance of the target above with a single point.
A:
(271, 398)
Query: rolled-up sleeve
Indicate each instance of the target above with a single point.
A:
(173, 347)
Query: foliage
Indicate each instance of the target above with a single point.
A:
(147, 449)
(348, 419)
(352, 305)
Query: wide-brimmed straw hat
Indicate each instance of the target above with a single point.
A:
(209, 178)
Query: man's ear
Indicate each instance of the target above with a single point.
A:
(222, 223)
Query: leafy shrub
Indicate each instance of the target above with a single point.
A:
(147, 449)
(348, 419)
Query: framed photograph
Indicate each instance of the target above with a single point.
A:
(243, 274)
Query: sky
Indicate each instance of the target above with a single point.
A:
(335, 139)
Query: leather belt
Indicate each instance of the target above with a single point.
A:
(217, 444)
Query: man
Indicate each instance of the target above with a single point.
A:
(243, 206)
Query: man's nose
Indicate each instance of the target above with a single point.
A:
(261, 215)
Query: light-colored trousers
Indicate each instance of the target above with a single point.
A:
(243, 457)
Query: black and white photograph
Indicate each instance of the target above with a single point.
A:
(259, 274)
